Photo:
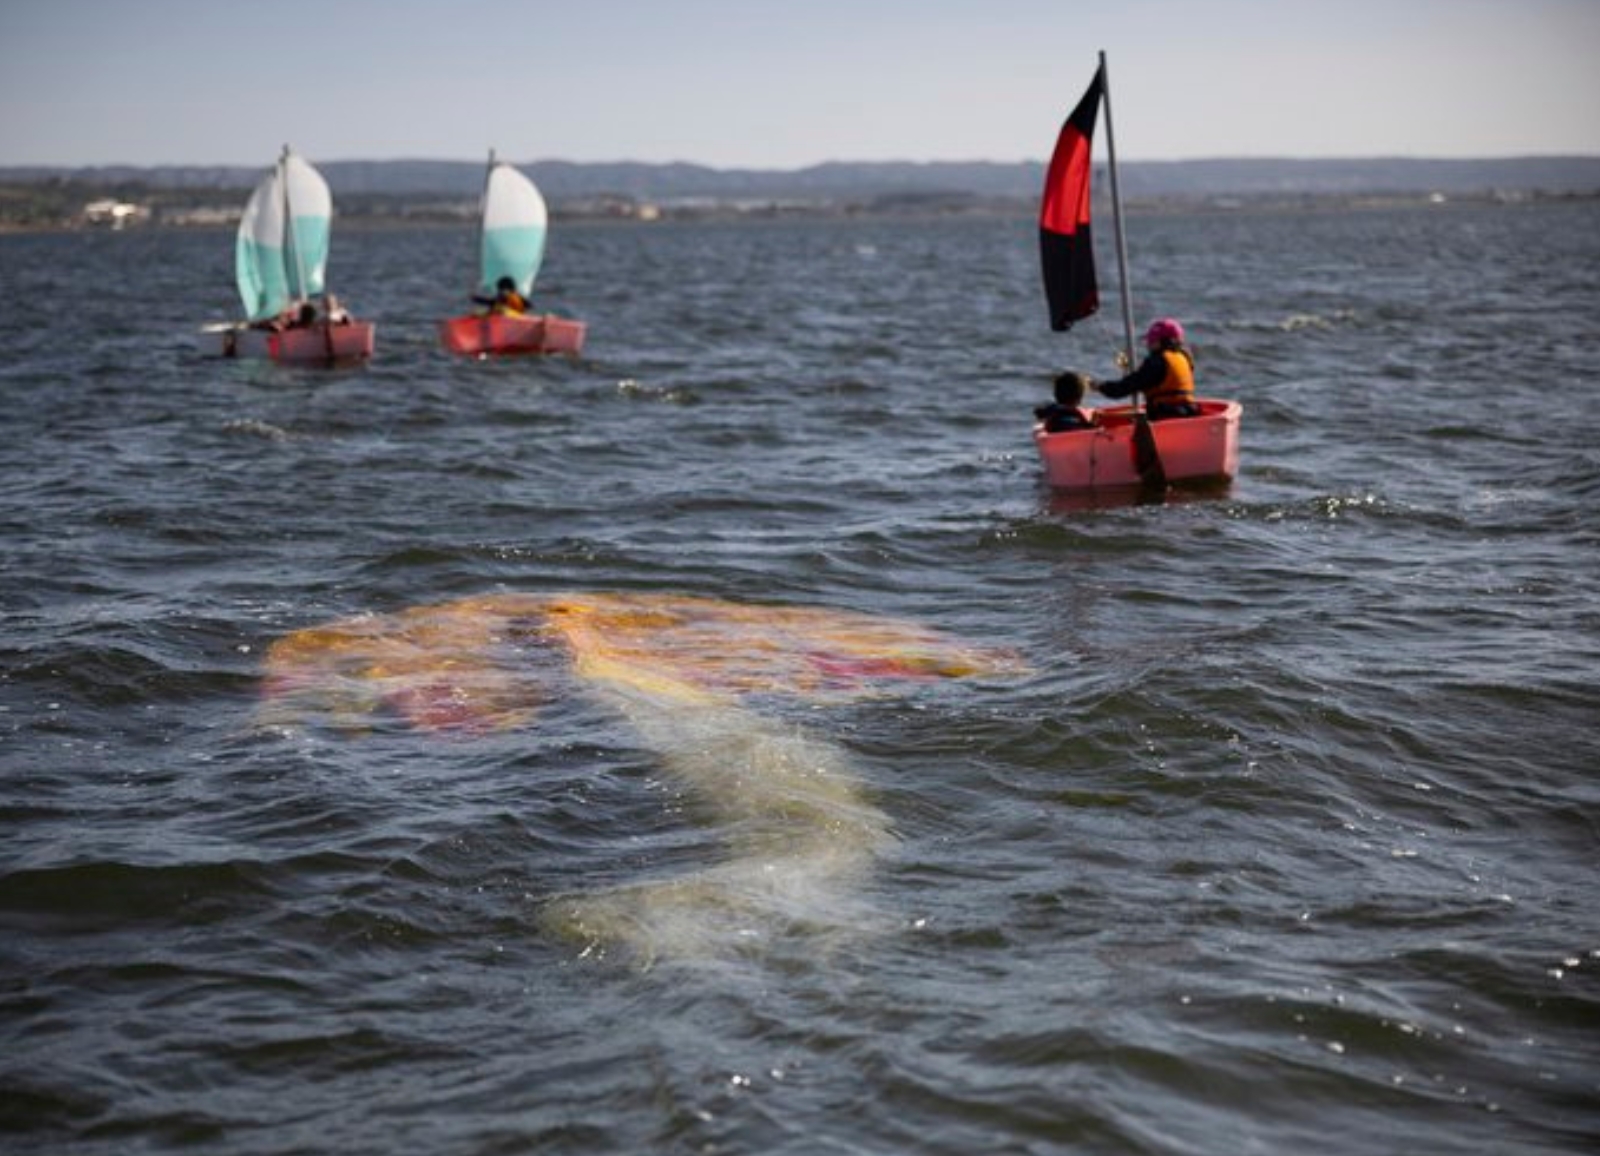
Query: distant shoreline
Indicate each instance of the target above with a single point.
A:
(66, 209)
(423, 191)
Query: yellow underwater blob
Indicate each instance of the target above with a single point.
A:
(797, 826)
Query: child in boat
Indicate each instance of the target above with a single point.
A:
(278, 322)
(1165, 376)
(1066, 412)
(506, 299)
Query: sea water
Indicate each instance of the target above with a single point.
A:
(1280, 837)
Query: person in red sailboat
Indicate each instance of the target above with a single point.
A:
(1165, 376)
(506, 300)
(335, 312)
(1066, 411)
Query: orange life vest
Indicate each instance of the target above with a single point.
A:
(1177, 387)
(512, 303)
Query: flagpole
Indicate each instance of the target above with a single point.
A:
(1116, 217)
(1146, 454)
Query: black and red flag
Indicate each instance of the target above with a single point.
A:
(1064, 241)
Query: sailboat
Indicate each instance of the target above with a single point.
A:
(513, 223)
(280, 265)
(1123, 447)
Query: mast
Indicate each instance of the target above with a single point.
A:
(1116, 217)
(291, 239)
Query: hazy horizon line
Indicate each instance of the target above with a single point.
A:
(1220, 158)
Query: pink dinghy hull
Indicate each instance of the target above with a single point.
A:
(319, 344)
(502, 333)
(1192, 449)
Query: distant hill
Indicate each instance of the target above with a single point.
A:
(565, 180)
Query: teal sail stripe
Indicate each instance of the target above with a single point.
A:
(514, 251)
(307, 267)
(263, 287)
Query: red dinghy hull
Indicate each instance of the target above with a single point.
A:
(1193, 450)
(502, 333)
(319, 344)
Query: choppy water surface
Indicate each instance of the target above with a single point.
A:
(1274, 831)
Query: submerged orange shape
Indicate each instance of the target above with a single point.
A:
(487, 663)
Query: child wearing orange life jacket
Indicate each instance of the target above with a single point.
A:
(1165, 376)
(506, 299)
(1066, 413)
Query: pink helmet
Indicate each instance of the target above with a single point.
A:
(1163, 331)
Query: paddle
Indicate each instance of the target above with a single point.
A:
(327, 327)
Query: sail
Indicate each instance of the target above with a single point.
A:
(1065, 244)
(281, 255)
(514, 227)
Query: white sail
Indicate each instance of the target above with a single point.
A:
(515, 222)
(281, 255)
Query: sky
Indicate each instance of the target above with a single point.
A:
(782, 84)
